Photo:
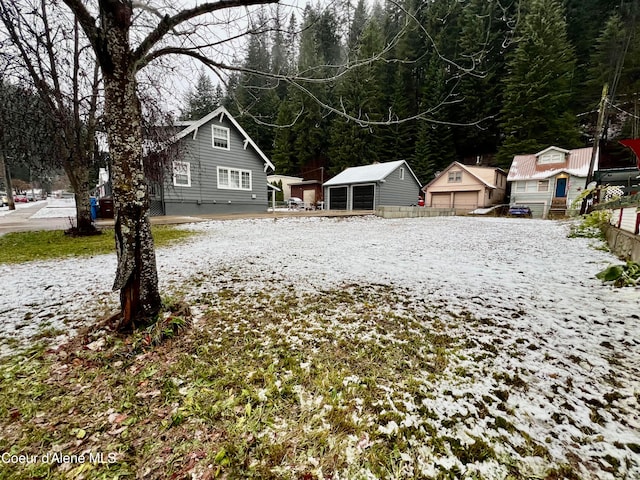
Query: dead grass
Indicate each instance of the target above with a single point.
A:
(345, 383)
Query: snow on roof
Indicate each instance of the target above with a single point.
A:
(367, 173)
(526, 167)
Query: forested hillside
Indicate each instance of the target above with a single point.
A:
(435, 81)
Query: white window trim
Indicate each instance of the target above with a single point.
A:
(541, 183)
(213, 137)
(176, 166)
(240, 172)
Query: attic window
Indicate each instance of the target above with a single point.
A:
(402, 174)
(455, 176)
(220, 137)
(551, 157)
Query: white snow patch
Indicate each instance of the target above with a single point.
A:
(573, 341)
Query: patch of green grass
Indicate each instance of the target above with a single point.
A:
(272, 384)
(47, 245)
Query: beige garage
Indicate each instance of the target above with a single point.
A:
(466, 188)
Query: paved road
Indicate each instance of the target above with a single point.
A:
(20, 220)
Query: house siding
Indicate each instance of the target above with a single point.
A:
(470, 191)
(540, 202)
(204, 196)
(396, 191)
(392, 191)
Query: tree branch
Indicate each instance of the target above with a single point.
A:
(168, 23)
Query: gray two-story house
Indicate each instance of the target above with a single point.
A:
(220, 170)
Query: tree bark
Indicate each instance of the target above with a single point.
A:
(78, 173)
(4, 171)
(136, 275)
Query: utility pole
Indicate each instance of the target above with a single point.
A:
(602, 113)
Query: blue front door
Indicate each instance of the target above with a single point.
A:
(561, 187)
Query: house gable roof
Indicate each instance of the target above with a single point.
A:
(368, 173)
(548, 149)
(476, 172)
(526, 167)
(222, 112)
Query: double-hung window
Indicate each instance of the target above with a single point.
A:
(234, 179)
(220, 137)
(181, 174)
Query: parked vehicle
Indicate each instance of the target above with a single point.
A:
(4, 200)
(20, 199)
(519, 211)
(295, 203)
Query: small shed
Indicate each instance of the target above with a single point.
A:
(370, 186)
(310, 191)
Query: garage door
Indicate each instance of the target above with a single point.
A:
(537, 209)
(363, 196)
(338, 198)
(441, 200)
(465, 200)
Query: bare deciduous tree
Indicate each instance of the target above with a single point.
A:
(49, 51)
(125, 38)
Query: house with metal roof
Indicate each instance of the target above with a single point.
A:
(220, 170)
(548, 182)
(466, 188)
(369, 186)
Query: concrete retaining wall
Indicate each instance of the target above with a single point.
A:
(413, 212)
(624, 244)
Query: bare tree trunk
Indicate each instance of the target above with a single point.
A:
(136, 276)
(4, 170)
(78, 173)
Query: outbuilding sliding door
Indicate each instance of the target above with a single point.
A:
(338, 198)
(363, 197)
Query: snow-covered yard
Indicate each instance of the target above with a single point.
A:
(547, 364)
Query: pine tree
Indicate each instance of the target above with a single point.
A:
(284, 157)
(255, 97)
(203, 99)
(538, 87)
(484, 30)
(434, 148)
(360, 95)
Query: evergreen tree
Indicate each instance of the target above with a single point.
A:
(319, 57)
(434, 148)
(284, 156)
(255, 97)
(360, 95)
(203, 99)
(616, 59)
(584, 23)
(402, 79)
(537, 89)
(484, 30)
